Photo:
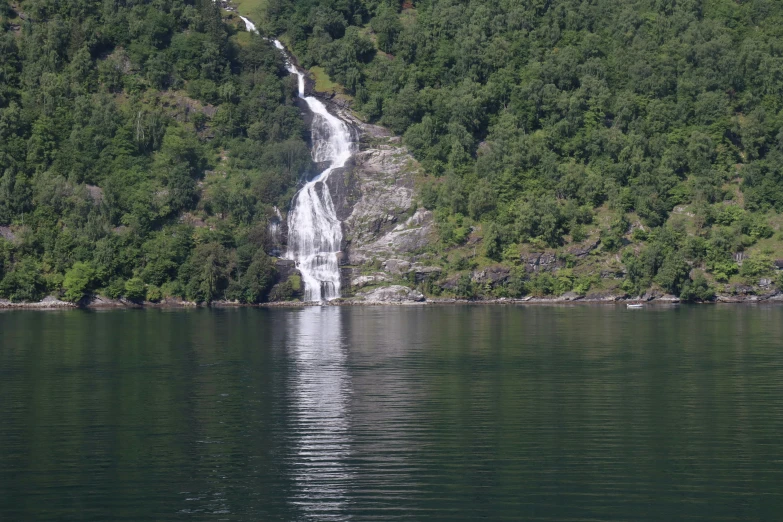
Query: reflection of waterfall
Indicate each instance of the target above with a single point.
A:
(320, 394)
(314, 232)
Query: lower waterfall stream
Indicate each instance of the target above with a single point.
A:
(314, 232)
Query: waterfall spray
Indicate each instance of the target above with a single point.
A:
(314, 232)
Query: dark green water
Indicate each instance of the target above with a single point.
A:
(423, 413)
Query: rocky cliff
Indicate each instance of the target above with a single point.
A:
(383, 226)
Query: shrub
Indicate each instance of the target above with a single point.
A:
(135, 290)
(698, 289)
(78, 281)
(154, 294)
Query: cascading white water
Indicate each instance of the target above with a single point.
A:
(314, 232)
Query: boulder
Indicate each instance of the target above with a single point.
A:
(395, 294)
(569, 296)
(364, 280)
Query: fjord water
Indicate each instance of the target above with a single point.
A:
(393, 413)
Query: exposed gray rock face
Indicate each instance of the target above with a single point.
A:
(583, 250)
(364, 280)
(285, 268)
(7, 233)
(402, 268)
(541, 261)
(47, 302)
(374, 199)
(492, 275)
(569, 296)
(395, 294)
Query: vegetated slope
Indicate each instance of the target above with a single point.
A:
(573, 144)
(143, 146)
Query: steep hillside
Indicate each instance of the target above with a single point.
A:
(144, 150)
(602, 147)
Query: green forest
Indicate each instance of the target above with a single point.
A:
(656, 123)
(145, 144)
(122, 124)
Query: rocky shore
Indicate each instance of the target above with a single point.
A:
(390, 296)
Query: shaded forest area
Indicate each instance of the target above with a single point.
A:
(143, 147)
(652, 126)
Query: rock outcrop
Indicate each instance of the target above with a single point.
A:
(395, 294)
(375, 201)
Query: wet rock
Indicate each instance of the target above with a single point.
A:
(601, 297)
(285, 269)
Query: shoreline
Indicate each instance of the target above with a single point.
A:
(52, 303)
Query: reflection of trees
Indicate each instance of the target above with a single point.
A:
(341, 412)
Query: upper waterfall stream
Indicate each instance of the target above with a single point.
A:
(314, 232)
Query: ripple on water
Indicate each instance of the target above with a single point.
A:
(444, 413)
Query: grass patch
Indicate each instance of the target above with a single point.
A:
(249, 8)
(296, 282)
(322, 81)
(242, 38)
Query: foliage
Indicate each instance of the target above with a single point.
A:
(535, 118)
(140, 141)
(697, 290)
(135, 289)
(78, 281)
(125, 129)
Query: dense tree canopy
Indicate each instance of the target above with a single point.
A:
(123, 122)
(144, 143)
(540, 117)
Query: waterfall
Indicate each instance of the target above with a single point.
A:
(314, 232)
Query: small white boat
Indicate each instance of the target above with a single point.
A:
(634, 305)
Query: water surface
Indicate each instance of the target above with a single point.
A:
(398, 413)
